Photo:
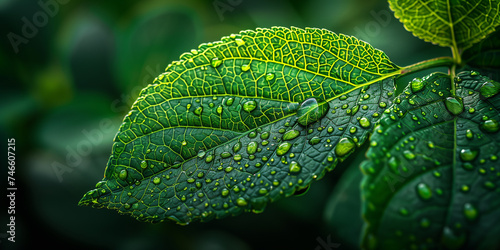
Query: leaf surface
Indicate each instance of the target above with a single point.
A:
(433, 175)
(453, 23)
(241, 122)
(484, 56)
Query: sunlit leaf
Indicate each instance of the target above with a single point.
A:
(432, 178)
(457, 23)
(241, 122)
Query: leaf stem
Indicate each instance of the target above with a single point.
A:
(436, 62)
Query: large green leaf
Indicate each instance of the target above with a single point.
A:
(244, 121)
(453, 23)
(433, 175)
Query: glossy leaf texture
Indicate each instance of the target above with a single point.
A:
(448, 23)
(484, 56)
(238, 123)
(433, 175)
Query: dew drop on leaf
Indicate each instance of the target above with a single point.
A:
(245, 67)
(229, 101)
(424, 191)
(470, 211)
(249, 106)
(344, 146)
(290, 135)
(417, 84)
(315, 140)
(216, 62)
(252, 147)
(454, 106)
(156, 180)
(364, 122)
(198, 111)
(269, 76)
(144, 164)
(409, 155)
(468, 154)
(490, 126)
(310, 111)
(489, 89)
(294, 167)
(123, 174)
(283, 148)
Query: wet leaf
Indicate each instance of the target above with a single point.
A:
(458, 23)
(431, 181)
(241, 122)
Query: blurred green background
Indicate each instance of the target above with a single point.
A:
(70, 70)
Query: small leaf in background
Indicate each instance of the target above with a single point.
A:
(432, 179)
(458, 23)
(241, 122)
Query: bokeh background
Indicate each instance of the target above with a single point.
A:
(68, 79)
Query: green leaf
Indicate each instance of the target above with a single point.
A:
(244, 121)
(454, 23)
(483, 56)
(432, 179)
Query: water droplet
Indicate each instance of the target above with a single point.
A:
(489, 89)
(330, 129)
(209, 158)
(249, 106)
(409, 155)
(315, 140)
(229, 101)
(198, 111)
(382, 104)
(219, 109)
(239, 42)
(290, 135)
(156, 180)
(344, 146)
(264, 135)
(364, 122)
(225, 192)
(294, 167)
(469, 134)
(144, 164)
(228, 169)
(245, 67)
(216, 62)
(283, 148)
(310, 111)
(123, 174)
(184, 143)
(468, 154)
(225, 155)
(430, 144)
(489, 185)
(490, 126)
(424, 191)
(269, 76)
(352, 130)
(454, 105)
(237, 157)
(252, 147)
(470, 211)
(417, 84)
